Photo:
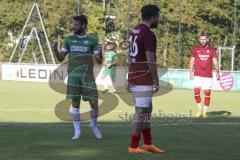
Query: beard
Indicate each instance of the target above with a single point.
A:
(78, 31)
(204, 44)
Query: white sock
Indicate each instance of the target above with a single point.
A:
(113, 88)
(94, 115)
(76, 119)
(199, 105)
(105, 87)
(205, 109)
(76, 128)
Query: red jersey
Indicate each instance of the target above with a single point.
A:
(142, 39)
(203, 60)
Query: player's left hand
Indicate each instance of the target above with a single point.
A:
(128, 88)
(217, 76)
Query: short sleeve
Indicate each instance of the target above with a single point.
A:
(96, 47)
(193, 52)
(65, 47)
(150, 42)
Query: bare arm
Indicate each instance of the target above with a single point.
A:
(59, 54)
(97, 52)
(152, 65)
(98, 59)
(216, 65)
(191, 66)
(98, 56)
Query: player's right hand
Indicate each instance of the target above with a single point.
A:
(217, 76)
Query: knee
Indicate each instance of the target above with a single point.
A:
(207, 92)
(142, 111)
(149, 111)
(197, 91)
(94, 103)
(75, 103)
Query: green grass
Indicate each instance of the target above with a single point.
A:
(30, 130)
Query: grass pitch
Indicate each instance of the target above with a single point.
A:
(30, 129)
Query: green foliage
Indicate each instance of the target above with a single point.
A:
(215, 16)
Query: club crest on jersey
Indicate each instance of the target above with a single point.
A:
(203, 57)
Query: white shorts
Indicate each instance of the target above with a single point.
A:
(205, 83)
(142, 95)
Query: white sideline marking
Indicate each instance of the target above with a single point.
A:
(118, 125)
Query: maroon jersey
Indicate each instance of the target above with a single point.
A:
(203, 60)
(142, 39)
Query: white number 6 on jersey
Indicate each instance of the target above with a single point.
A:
(133, 46)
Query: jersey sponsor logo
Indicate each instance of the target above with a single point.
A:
(203, 57)
(79, 49)
(86, 42)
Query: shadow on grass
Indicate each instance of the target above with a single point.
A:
(219, 113)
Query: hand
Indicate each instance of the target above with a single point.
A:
(217, 76)
(128, 88)
(155, 87)
(55, 45)
(191, 76)
(105, 65)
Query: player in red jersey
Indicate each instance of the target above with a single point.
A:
(203, 56)
(143, 78)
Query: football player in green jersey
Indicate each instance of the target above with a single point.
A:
(109, 66)
(81, 48)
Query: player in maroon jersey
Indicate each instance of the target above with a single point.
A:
(203, 56)
(143, 78)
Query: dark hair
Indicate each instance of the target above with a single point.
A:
(81, 18)
(149, 11)
(204, 34)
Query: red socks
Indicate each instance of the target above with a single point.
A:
(207, 95)
(197, 95)
(134, 141)
(147, 136)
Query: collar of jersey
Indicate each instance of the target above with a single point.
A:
(204, 46)
(81, 36)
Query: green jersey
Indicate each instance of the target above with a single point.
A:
(80, 50)
(109, 57)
